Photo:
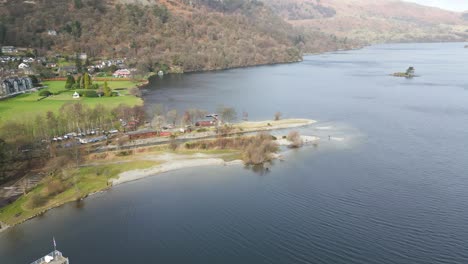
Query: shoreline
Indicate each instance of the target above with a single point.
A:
(167, 161)
(247, 127)
(138, 174)
(187, 163)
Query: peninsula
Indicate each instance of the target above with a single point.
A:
(100, 165)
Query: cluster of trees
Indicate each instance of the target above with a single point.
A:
(300, 10)
(256, 149)
(30, 140)
(84, 81)
(160, 115)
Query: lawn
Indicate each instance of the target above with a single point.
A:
(88, 180)
(27, 106)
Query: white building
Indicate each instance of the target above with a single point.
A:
(51, 32)
(23, 66)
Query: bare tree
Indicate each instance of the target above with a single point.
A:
(278, 116)
(135, 91)
(196, 114)
(172, 116)
(260, 149)
(228, 114)
(157, 121)
(296, 139)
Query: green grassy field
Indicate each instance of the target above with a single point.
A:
(27, 106)
(88, 180)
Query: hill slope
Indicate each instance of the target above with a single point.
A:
(373, 21)
(182, 34)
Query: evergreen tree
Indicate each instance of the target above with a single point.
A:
(78, 82)
(70, 82)
(106, 89)
(86, 80)
(79, 66)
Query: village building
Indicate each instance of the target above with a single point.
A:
(11, 86)
(51, 32)
(23, 66)
(8, 49)
(28, 60)
(83, 56)
(123, 73)
(64, 70)
(205, 123)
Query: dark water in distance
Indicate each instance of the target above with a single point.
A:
(390, 187)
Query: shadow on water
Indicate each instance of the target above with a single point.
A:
(260, 169)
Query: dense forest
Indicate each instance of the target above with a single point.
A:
(185, 35)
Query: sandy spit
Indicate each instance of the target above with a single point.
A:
(134, 175)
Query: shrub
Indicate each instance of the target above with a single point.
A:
(278, 116)
(89, 93)
(135, 91)
(45, 93)
(295, 138)
(260, 149)
(37, 200)
(56, 187)
(124, 153)
(173, 145)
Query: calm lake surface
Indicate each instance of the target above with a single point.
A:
(391, 186)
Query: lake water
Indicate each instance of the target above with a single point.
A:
(391, 186)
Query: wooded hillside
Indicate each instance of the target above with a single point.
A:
(373, 21)
(186, 35)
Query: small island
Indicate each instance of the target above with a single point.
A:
(410, 73)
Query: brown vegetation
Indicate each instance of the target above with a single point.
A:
(260, 149)
(175, 35)
(27, 143)
(277, 116)
(256, 149)
(295, 138)
(358, 22)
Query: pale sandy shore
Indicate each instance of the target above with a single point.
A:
(177, 164)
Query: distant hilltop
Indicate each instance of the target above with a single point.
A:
(374, 21)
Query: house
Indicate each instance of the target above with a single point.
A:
(28, 60)
(205, 123)
(14, 85)
(51, 65)
(141, 134)
(64, 70)
(123, 73)
(165, 134)
(51, 32)
(23, 66)
(8, 49)
(83, 56)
